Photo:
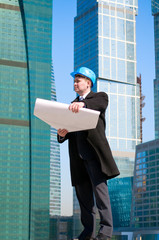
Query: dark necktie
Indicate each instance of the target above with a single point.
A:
(81, 98)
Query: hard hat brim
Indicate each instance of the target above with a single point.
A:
(73, 74)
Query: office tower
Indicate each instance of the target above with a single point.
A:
(145, 207)
(77, 226)
(155, 13)
(55, 174)
(25, 74)
(60, 228)
(105, 41)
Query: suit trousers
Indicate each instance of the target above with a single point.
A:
(94, 190)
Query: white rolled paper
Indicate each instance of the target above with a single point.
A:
(59, 116)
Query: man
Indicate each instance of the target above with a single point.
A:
(91, 160)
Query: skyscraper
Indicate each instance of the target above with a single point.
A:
(55, 174)
(145, 204)
(25, 74)
(105, 41)
(155, 13)
(145, 207)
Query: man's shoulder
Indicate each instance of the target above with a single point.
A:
(100, 94)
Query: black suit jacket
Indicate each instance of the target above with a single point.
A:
(96, 138)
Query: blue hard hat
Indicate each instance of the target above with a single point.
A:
(85, 72)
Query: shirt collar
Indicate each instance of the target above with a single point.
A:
(85, 95)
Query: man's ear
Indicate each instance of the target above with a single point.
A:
(89, 83)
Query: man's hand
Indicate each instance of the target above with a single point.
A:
(62, 132)
(75, 106)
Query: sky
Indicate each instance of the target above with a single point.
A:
(63, 63)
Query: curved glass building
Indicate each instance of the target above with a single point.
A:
(25, 74)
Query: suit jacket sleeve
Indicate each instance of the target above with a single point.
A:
(62, 139)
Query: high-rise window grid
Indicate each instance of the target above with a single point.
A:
(145, 207)
(55, 173)
(117, 47)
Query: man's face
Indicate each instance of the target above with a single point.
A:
(81, 85)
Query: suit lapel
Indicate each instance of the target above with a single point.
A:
(76, 100)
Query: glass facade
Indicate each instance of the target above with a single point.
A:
(155, 6)
(148, 237)
(77, 226)
(117, 77)
(60, 228)
(25, 74)
(105, 41)
(155, 13)
(145, 207)
(55, 173)
(121, 214)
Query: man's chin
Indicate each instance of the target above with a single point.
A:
(76, 90)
